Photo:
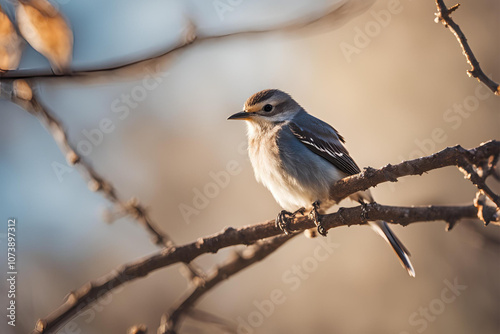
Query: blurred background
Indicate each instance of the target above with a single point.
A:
(387, 77)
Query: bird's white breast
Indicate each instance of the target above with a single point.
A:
(290, 192)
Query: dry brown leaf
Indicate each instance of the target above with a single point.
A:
(10, 44)
(22, 90)
(47, 31)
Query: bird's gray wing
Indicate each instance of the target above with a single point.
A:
(325, 141)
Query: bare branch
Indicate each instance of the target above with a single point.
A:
(451, 156)
(480, 183)
(87, 294)
(332, 17)
(260, 251)
(96, 182)
(443, 15)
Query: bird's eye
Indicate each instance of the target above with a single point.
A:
(267, 108)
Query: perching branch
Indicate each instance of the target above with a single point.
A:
(455, 156)
(259, 251)
(84, 296)
(443, 15)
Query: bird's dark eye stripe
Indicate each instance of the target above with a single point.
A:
(267, 107)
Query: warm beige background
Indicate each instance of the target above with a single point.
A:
(389, 98)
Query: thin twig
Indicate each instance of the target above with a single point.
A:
(480, 183)
(260, 251)
(443, 15)
(96, 182)
(334, 15)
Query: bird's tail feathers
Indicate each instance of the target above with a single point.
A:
(403, 254)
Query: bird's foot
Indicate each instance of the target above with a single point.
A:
(364, 211)
(283, 221)
(315, 216)
(285, 218)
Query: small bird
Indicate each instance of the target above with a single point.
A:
(298, 157)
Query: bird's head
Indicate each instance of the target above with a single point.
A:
(267, 107)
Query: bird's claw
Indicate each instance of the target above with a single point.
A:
(284, 219)
(315, 217)
(364, 211)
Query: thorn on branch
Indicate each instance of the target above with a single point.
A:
(453, 8)
(450, 224)
(443, 14)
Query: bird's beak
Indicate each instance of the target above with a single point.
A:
(242, 115)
